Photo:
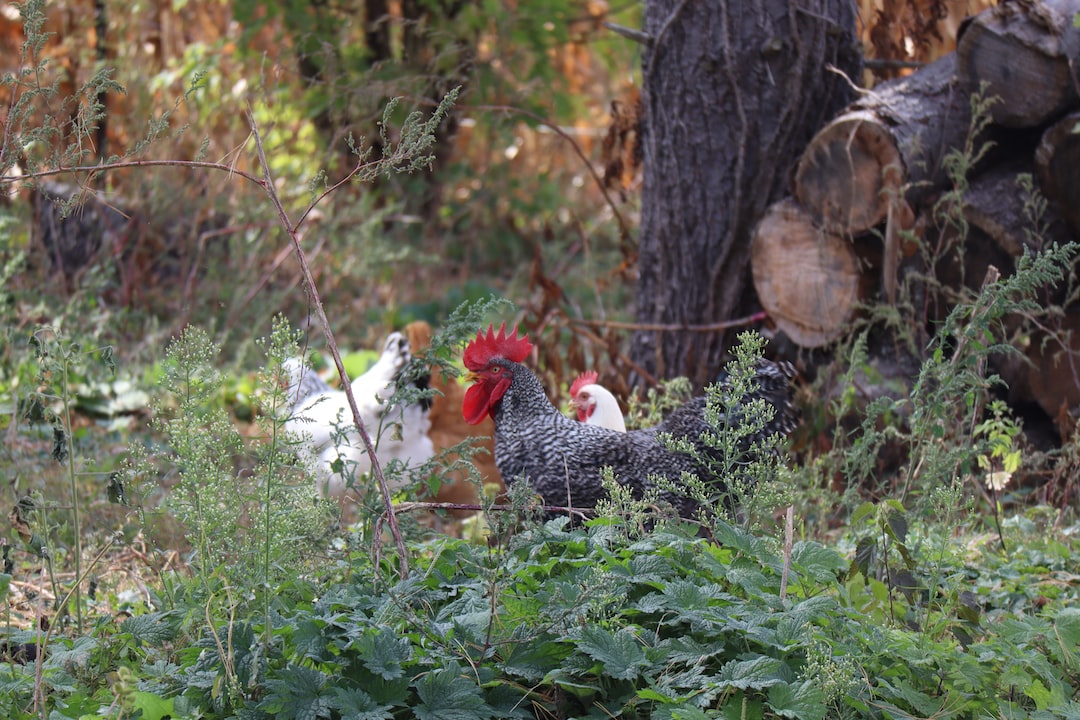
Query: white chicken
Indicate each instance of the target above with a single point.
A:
(594, 404)
(318, 411)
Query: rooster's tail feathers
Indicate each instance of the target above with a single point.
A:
(303, 382)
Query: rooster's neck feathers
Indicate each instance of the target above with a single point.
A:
(525, 397)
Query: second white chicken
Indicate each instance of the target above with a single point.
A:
(594, 404)
(320, 413)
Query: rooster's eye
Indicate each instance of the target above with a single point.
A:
(496, 370)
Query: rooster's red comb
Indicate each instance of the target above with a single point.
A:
(588, 377)
(485, 347)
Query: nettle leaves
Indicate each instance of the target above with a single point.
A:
(562, 622)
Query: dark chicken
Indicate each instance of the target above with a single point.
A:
(562, 459)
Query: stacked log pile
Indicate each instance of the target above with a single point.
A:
(865, 188)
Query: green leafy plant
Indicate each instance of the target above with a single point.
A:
(650, 408)
(748, 460)
(908, 610)
(244, 528)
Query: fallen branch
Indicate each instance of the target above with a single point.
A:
(674, 327)
(583, 513)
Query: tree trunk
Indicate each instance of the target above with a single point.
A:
(996, 203)
(1055, 373)
(732, 93)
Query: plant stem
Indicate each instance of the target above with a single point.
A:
(266, 520)
(66, 400)
(196, 499)
(43, 642)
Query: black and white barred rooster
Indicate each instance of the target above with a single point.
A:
(562, 459)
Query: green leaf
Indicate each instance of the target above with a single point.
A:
(309, 640)
(737, 539)
(753, 582)
(821, 563)
(690, 713)
(153, 629)
(77, 655)
(571, 684)
(383, 652)
(1067, 632)
(867, 508)
(446, 695)
(298, 692)
(923, 704)
(152, 706)
(655, 696)
(1065, 711)
(531, 661)
(355, 704)
(688, 595)
(897, 526)
(893, 505)
(811, 609)
(741, 707)
(689, 651)
(619, 652)
(865, 554)
(759, 673)
(802, 701)
(1039, 693)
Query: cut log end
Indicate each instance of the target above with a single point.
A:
(807, 280)
(1055, 377)
(1022, 64)
(847, 173)
(1057, 161)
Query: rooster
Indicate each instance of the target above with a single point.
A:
(318, 411)
(562, 459)
(594, 404)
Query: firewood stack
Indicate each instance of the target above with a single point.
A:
(867, 182)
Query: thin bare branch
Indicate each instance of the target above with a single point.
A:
(624, 228)
(637, 36)
(674, 327)
(309, 283)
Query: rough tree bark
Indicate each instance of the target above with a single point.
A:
(732, 93)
